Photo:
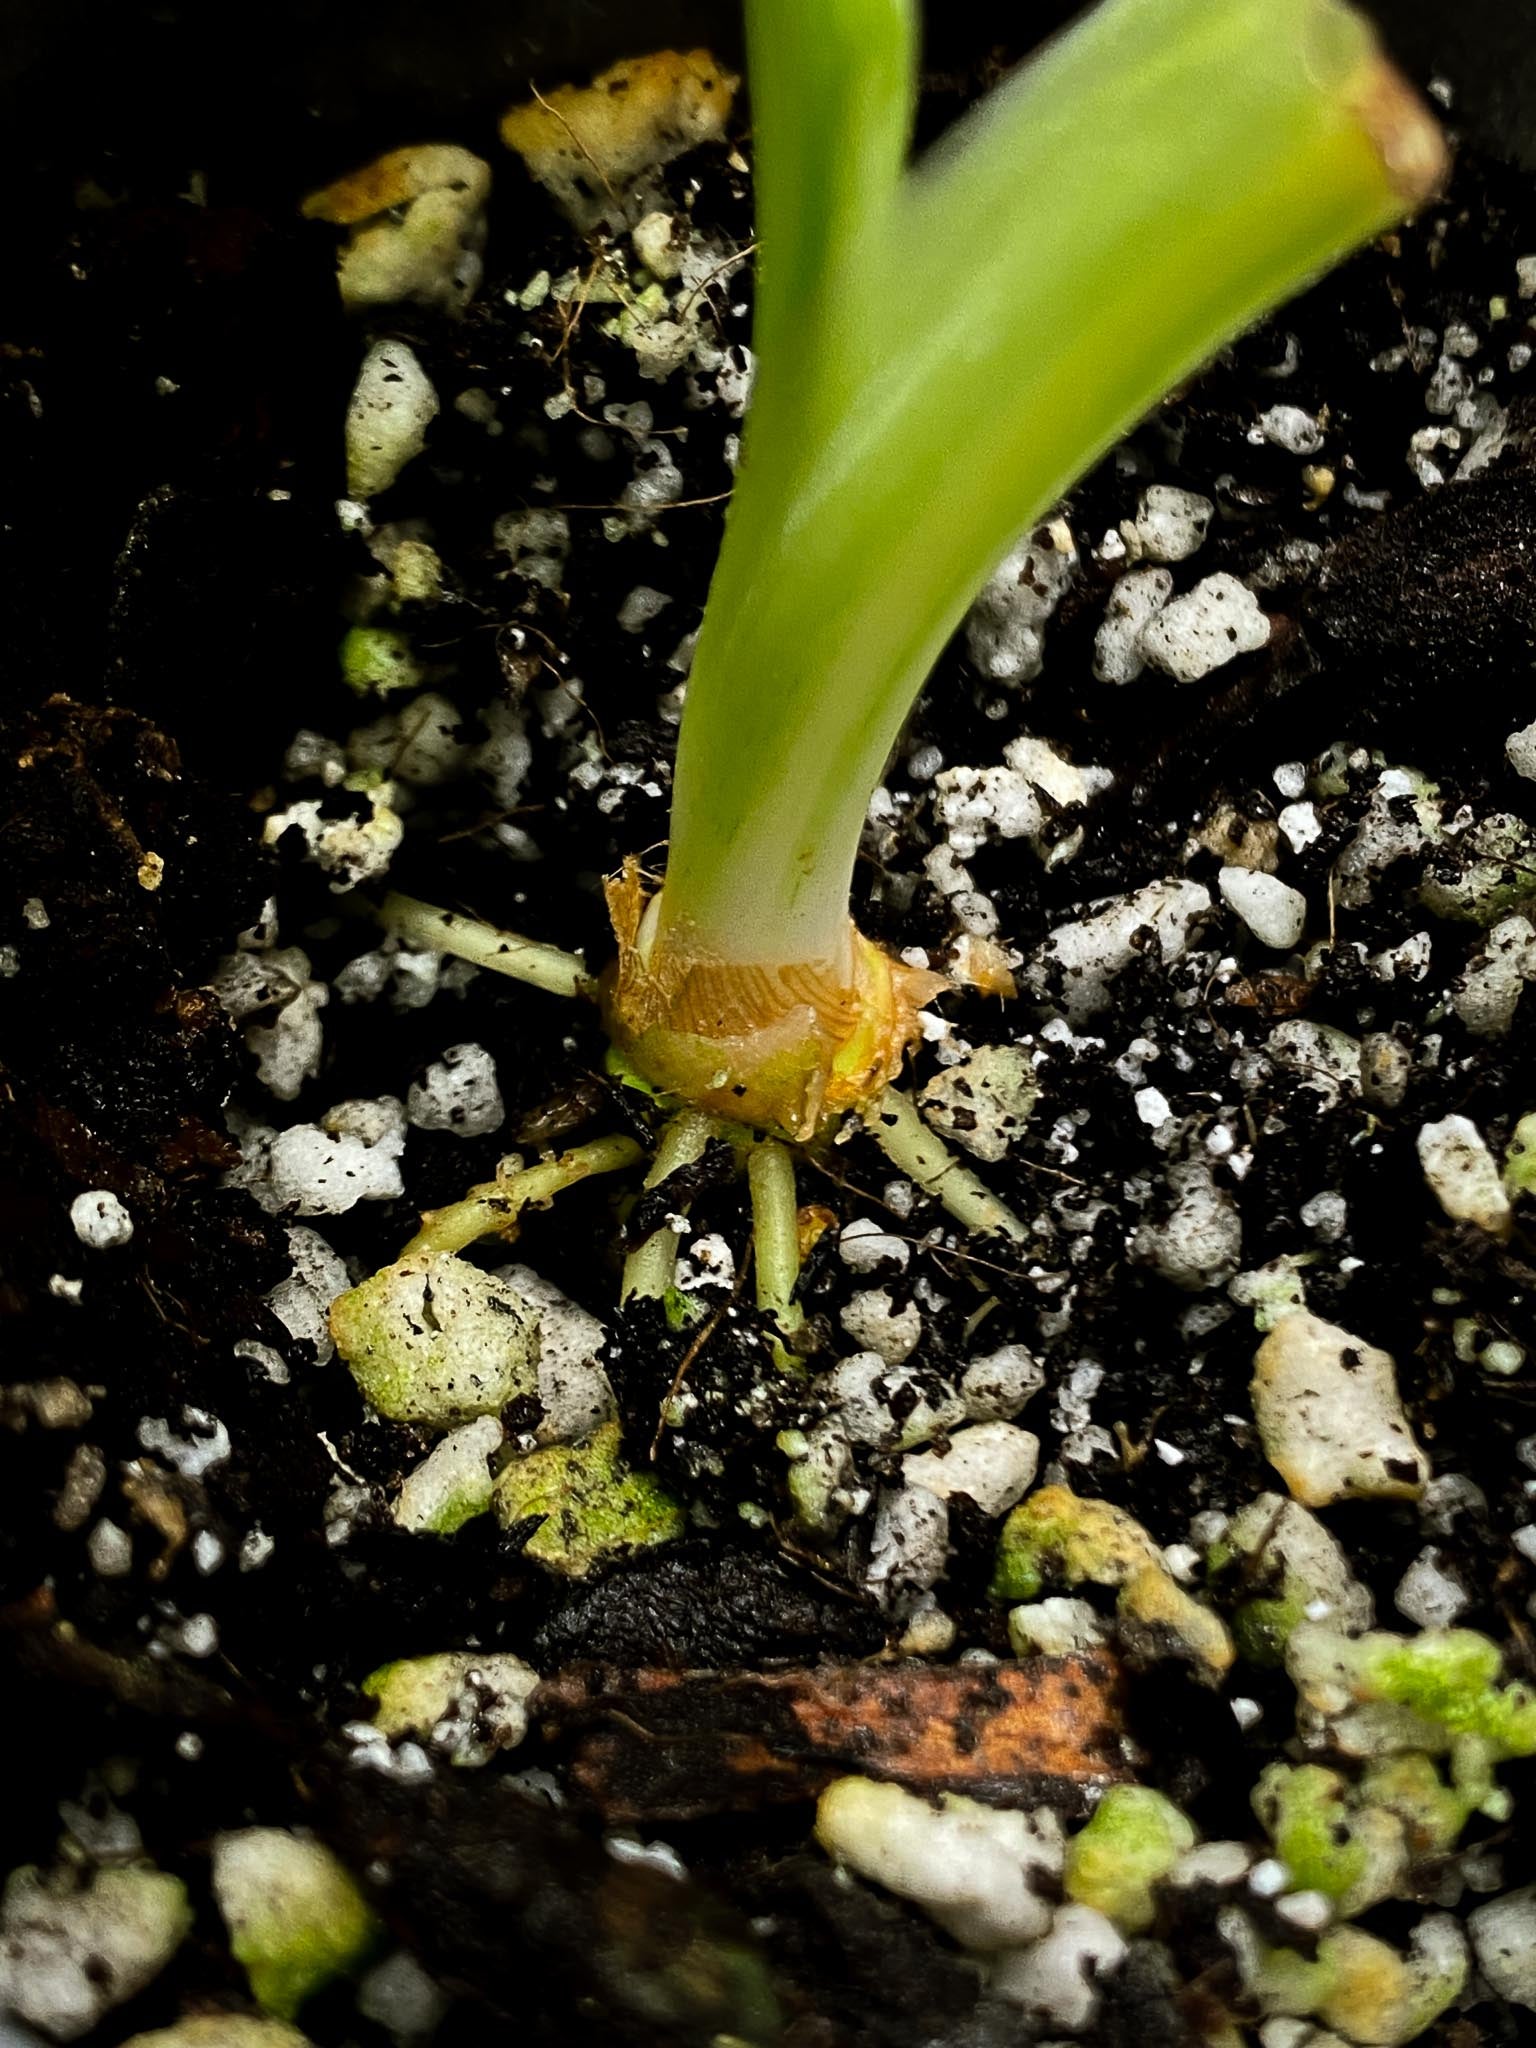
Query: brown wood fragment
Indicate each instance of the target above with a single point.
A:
(1277, 995)
(653, 1745)
(152, 1501)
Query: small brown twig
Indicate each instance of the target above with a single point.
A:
(616, 505)
(555, 113)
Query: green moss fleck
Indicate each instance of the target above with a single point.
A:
(591, 1504)
(1133, 1840)
(296, 1918)
(1354, 1854)
(376, 660)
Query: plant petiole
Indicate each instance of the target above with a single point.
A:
(894, 1124)
(649, 1269)
(428, 929)
(775, 1236)
(497, 1205)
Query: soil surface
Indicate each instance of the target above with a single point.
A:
(199, 1556)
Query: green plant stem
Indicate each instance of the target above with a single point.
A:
(901, 1134)
(841, 83)
(775, 1232)
(942, 353)
(428, 929)
(650, 1267)
(496, 1205)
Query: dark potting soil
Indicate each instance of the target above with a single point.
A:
(173, 374)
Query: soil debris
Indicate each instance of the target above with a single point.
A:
(650, 1746)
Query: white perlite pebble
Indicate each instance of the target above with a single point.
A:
(1308, 1912)
(400, 1997)
(393, 403)
(110, 1550)
(302, 1302)
(467, 1704)
(971, 1868)
(1329, 1415)
(1300, 825)
(67, 1956)
(1220, 1863)
(1320, 1055)
(993, 1463)
(349, 849)
(411, 980)
(574, 1390)
(1391, 830)
(1200, 1242)
(1407, 961)
(1005, 631)
(1133, 604)
(1056, 1978)
(1446, 1499)
(1504, 1941)
(1486, 996)
(984, 1102)
(458, 1093)
(290, 1908)
(1008, 801)
(1427, 1595)
(975, 803)
(433, 1339)
(198, 1636)
(538, 541)
(279, 980)
(1288, 427)
(1384, 1070)
(1152, 1107)
(1206, 628)
(1463, 1175)
(873, 1321)
(908, 1545)
(260, 979)
(641, 606)
(882, 1404)
(1275, 913)
(453, 1482)
(1171, 524)
(421, 743)
(205, 1444)
(287, 1051)
(1287, 1549)
(268, 1357)
(1057, 1627)
(1063, 781)
(863, 1246)
(100, 1220)
(929, 1633)
(656, 244)
(352, 1155)
(997, 1385)
(1520, 751)
(1084, 957)
(1326, 1215)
